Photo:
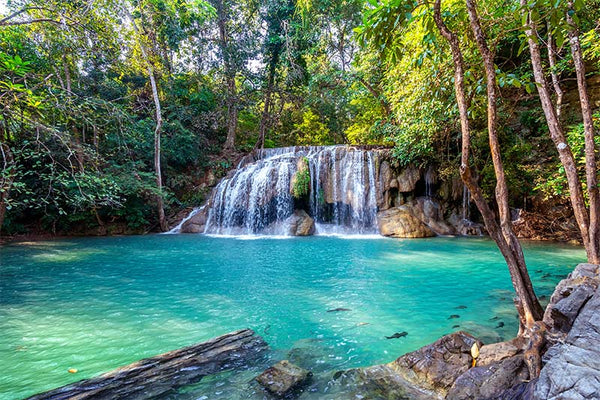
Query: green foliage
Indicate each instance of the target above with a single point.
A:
(301, 183)
(553, 182)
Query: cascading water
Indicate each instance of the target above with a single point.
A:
(256, 197)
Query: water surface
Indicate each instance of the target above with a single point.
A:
(98, 303)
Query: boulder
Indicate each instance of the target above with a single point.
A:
(430, 213)
(408, 178)
(300, 224)
(486, 382)
(196, 223)
(573, 370)
(401, 223)
(431, 369)
(283, 377)
(492, 353)
(570, 295)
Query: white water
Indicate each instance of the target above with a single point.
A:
(177, 229)
(257, 199)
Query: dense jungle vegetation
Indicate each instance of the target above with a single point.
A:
(112, 110)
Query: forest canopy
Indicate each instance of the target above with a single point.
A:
(109, 109)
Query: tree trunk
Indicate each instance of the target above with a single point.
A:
(557, 133)
(260, 143)
(232, 112)
(555, 81)
(532, 304)
(7, 180)
(527, 309)
(162, 221)
(590, 145)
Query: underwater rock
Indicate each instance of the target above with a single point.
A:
(401, 223)
(283, 377)
(454, 316)
(300, 224)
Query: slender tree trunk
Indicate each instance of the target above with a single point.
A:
(260, 144)
(501, 187)
(230, 73)
(158, 114)
(591, 166)
(555, 81)
(556, 133)
(7, 180)
(526, 308)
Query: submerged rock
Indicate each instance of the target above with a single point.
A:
(300, 224)
(401, 223)
(283, 377)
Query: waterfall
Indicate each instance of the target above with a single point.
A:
(256, 197)
(177, 229)
(466, 203)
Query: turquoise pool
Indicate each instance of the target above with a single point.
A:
(97, 303)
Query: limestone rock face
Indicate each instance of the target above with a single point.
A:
(401, 223)
(197, 223)
(301, 224)
(569, 297)
(408, 179)
(573, 370)
(282, 378)
(486, 382)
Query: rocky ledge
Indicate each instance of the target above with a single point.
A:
(444, 369)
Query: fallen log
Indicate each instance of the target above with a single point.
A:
(155, 376)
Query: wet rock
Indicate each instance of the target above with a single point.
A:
(282, 378)
(489, 381)
(431, 369)
(400, 222)
(300, 224)
(455, 326)
(197, 223)
(573, 370)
